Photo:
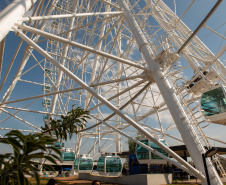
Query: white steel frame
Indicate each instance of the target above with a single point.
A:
(91, 62)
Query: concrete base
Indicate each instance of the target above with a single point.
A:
(141, 179)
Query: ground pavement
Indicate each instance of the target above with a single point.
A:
(76, 181)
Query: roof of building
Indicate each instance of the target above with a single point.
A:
(180, 150)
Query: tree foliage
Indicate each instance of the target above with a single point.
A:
(132, 146)
(26, 148)
(67, 125)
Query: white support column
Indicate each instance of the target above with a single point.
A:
(184, 126)
(73, 15)
(99, 138)
(118, 118)
(12, 14)
(77, 150)
(78, 144)
(108, 104)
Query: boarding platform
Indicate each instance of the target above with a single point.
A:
(141, 179)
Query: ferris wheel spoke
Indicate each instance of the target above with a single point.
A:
(163, 132)
(20, 119)
(96, 55)
(118, 94)
(18, 111)
(81, 46)
(44, 71)
(111, 4)
(10, 65)
(28, 110)
(215, 32)
(62, 16)
(19, 130)
(88, 99)
(20, 69)
(82, 26)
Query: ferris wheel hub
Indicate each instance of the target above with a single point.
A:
(166, 59)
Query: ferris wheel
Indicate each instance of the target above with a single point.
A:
(135, 65)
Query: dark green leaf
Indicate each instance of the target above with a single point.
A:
(21, 177)
(50, 159)
(37, 178)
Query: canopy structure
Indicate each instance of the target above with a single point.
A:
(183, 152)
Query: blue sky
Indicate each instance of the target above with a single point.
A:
(193, 18)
